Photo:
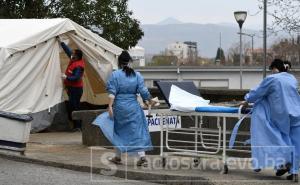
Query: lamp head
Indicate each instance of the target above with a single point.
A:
(240, 17)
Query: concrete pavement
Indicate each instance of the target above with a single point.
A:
(17, 173)
(65, 150)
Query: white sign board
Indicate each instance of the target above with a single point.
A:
(154, 122)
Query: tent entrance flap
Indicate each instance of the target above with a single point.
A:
(95, 81)
(94, 90)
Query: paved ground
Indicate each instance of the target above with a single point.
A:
(15, 173)
(65, 150)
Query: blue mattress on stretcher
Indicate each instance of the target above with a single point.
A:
(165, 88)
(217, 109)
(221, 109)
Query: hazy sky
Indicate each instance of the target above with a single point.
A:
(196, 11)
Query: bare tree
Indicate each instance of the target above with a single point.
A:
(286, 15)
(287, 49)
(234, 53)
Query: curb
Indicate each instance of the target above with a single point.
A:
(130, 175)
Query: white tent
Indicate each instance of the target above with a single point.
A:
(31, 63)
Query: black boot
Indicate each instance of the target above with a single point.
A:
(257, 170)
(142, 162)
(283, 170)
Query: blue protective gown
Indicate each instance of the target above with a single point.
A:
(275, 122)
(130, 125)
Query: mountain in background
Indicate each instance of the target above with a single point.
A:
(158, 36)
(169, 20)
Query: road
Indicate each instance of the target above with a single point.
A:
(18, 173)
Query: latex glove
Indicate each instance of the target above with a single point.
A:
(244, 104)
(154, 102)
(110, 112)
(63, 76)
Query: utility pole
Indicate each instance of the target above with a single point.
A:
(220, 39)
(298, 46)
(265, 40)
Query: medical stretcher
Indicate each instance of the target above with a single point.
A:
(202, 140)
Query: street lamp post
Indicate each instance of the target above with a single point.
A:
(240, 17)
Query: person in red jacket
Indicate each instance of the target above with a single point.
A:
(73, 82)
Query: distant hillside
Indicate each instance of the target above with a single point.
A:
(169, 20)
(158, 36)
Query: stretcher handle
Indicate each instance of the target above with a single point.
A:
(240, 111)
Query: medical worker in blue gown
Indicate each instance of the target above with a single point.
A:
(275, 122)
(130, 126)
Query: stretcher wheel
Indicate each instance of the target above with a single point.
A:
(163, 162)
(196, 162)
(295, 178)
(225, 169)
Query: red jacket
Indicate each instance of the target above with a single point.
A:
(72, 65)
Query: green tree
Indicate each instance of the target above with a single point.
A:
(117, 23)
(79, 11)
(111, 16)
(23, 9)
(220, 57)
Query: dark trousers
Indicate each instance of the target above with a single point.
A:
(74, 94)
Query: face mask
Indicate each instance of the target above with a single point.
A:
(275, 70)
